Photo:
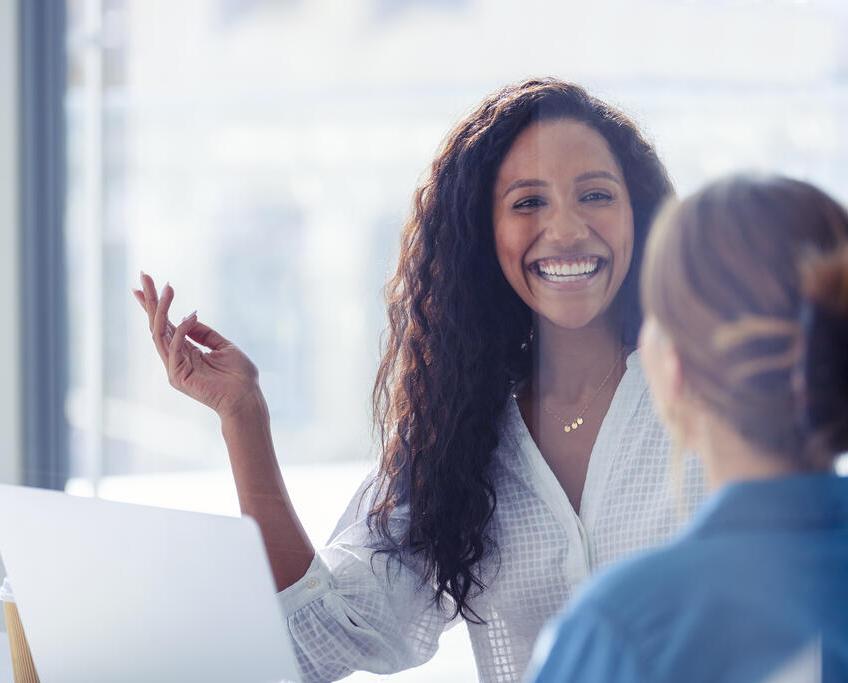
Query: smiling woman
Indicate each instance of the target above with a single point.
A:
(563, 222)
(514, 303)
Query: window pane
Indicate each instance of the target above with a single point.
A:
(261, 156)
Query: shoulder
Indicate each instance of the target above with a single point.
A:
(512, 433)
(631, 428)
(635, 371)
(602, 635)
(632, 402)
(640, 597)
(586, 644)
(626, 625)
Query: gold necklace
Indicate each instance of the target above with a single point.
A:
(571, 425)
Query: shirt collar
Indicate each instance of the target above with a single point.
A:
(803, 501)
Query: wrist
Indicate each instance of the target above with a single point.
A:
(248, 408)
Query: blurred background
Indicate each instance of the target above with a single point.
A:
(261, 156)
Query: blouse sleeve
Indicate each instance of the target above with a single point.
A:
(358, 610)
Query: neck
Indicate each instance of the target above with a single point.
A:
(569, 364)
(728, 457)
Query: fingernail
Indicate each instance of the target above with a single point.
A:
(141, 274)
(193, 314)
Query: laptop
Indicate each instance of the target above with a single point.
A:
(117, 592)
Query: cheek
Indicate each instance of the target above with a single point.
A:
(628, 248)
(626, 237)
(509, 248)
(619, 234)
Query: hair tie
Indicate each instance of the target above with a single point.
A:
(824, 365)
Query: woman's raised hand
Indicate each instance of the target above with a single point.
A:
(222, 378)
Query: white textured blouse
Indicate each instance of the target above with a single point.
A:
(354, 611)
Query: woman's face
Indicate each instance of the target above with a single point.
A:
(563, 222)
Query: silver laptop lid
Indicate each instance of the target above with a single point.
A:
(118, 592)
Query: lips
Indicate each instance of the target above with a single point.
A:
(576, 268)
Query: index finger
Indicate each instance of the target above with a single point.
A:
(162, 328)
(149, 288)
(142, 301)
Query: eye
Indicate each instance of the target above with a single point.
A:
(529, 203)
(596, 196)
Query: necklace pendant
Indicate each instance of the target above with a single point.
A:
(568, 428)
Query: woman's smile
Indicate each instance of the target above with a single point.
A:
(567, 272)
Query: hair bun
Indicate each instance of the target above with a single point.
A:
(824, 319)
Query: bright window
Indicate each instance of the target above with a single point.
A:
(261, 155)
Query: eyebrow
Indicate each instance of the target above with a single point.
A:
(592, 175)
(536, 182)
(524, 182)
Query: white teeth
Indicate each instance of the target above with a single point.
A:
(562, 269)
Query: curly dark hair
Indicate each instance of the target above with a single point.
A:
(457, 332)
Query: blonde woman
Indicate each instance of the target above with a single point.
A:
(745, 345)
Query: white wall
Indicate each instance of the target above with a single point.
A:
(10, 417)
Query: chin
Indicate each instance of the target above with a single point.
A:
(572, 320)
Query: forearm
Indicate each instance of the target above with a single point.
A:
(262, 493)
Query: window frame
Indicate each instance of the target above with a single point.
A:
(43, 309)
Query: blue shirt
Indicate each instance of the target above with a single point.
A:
(757, 587)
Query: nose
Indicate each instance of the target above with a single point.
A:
(567, 226)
